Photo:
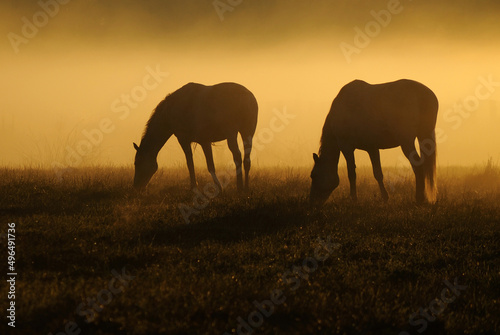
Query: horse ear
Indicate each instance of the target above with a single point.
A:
(315, 157)
(136, 146)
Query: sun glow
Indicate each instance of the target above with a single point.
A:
(79, 91)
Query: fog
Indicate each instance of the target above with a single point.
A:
(100, 68)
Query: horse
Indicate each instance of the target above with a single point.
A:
(200, 114)
(372, 117)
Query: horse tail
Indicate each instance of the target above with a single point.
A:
(428, 153)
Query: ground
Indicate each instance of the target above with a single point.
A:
(95, 257)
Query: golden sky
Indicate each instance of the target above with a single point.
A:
(90, 70)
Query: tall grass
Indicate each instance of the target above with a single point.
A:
(201, 277)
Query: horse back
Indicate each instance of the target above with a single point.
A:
(212, 113)
(382, 115)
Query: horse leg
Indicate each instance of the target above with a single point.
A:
(247, 145)
(207, 149)
(186, 147)
(232, 143)
(412, 155)
(351, 172)
(377, 172)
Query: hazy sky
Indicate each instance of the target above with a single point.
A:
(91, 71)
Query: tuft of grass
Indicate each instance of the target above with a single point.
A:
(484, 178)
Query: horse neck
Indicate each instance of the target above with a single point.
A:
(155, 137)
(329, 151)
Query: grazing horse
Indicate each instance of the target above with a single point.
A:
(200, 114)
(373, 117)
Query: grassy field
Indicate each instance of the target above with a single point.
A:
(93, 257)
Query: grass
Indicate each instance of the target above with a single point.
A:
(73, 236)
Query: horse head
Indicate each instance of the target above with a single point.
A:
(145, 167)
(324, 180)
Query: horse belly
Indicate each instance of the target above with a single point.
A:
(381, 141)
(213, 131)
(368, 135)
(375, 128)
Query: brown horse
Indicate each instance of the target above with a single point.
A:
(200, 114)
(373, 117)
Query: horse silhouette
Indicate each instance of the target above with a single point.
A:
(372, 117)
(200, 114)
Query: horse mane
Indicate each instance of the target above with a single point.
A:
(326, 138)
(155, 114)
(322, 145)
(322, 140)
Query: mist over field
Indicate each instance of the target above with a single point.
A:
(88, 248)
(91, 61)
